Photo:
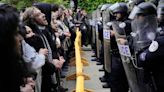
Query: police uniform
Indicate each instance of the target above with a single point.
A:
(153, 58)
(144, 32)
(118, 78)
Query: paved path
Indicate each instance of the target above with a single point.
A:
(92, 70)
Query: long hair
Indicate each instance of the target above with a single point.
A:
(10, 66)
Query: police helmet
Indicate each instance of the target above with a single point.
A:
(105, 6)
(145, 8)
(119, 8)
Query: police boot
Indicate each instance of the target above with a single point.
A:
(106, 85)
(94, 59)
(103, 79)
(61, 89)
(93, 56)
(102, 69)
(98, 63)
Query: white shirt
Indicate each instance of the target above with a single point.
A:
(31, 56)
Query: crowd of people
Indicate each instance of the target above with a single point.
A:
(36, 44)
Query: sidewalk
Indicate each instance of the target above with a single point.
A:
(91, 70)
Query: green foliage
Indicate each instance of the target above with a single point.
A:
(89, 5)
(19, 3)
(60, 2)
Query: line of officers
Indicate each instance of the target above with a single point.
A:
(128, 39)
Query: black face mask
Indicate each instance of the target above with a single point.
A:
(122, 18)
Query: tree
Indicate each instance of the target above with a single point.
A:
(93, 4)
(89, 5)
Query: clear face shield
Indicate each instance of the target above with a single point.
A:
(113, 7)
(144, 30)
(134, 12)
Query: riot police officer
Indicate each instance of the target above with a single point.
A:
(146, 46)
(105, 48)
(118, 78)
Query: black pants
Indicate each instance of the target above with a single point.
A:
(47, 71)
(159, 80)
(102, 54)
(118, 78)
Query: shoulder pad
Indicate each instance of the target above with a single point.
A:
(153, 46)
